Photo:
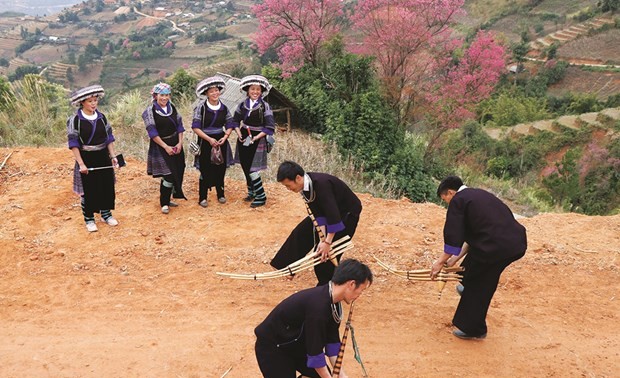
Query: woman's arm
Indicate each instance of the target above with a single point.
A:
(112, 153)
(79, 160)
(212, 141)
(169, 150)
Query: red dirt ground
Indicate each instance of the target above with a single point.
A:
(143, 299)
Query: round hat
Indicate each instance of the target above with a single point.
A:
(249, 80)
(82, 94)
(210, 82)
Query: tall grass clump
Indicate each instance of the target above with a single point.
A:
(315, 155)
(125, 116)
(34, 112)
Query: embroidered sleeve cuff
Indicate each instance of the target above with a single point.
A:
(111, 139)
(196, 124)
(321, 221)
(332, 349)
(451, 250)
(333, 228)
(317, 361)
(267, 130)
(152, 132)
(73, 142)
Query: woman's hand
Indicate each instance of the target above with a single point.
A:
(83, 169)
(222, 140)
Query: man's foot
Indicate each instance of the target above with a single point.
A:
(462, 335)
(249, 198)
(165, 209)
(221, 200)
(203, 203)
(173, 204)
(111, 221)
(91, 227)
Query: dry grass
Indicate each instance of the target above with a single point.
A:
(308, 150)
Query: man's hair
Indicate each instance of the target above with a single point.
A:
(352, 269)
(289, 170)
(450, 182)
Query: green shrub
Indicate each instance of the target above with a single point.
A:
(408, 172)
(183, 84)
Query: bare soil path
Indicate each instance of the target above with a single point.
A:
(143, 299)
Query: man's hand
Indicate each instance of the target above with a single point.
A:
(323, 251)
(436, 268)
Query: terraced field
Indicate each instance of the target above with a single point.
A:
(555, 126)
(604, 47)
(570, 33)
(576, 80)
(568, 7)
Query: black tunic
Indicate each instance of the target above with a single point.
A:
(483, 221)
(300, 328)
(495, 240)
(337, 208)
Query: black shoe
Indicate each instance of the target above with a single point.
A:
(459, 289)
(249, 198)
(256, 204)
(462, 335)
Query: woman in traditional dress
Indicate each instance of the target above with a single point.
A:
(258, 125)
(166, 158)
(92, 143)
(213, 124)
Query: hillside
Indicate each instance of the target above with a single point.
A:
(142, 299)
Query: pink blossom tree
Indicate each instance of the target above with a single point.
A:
(405, 37)
(297, 29)
(452, 93)
(427, 72)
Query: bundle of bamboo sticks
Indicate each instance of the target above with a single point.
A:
(446, 274)
(310, 260)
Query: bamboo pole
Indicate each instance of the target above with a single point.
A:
(5, 159)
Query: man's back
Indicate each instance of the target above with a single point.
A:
(486, 224)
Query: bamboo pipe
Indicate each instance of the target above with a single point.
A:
(318, 228)
(338, 364)
(296, 267)
(280, 273)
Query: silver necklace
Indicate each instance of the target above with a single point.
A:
(310, 190)
(336, 307)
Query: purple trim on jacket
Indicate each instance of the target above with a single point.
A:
(451, 250)
(332, 349)
(149, 120)
(331, 228)
(317, 361)
(73, 139)
(242, 113)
